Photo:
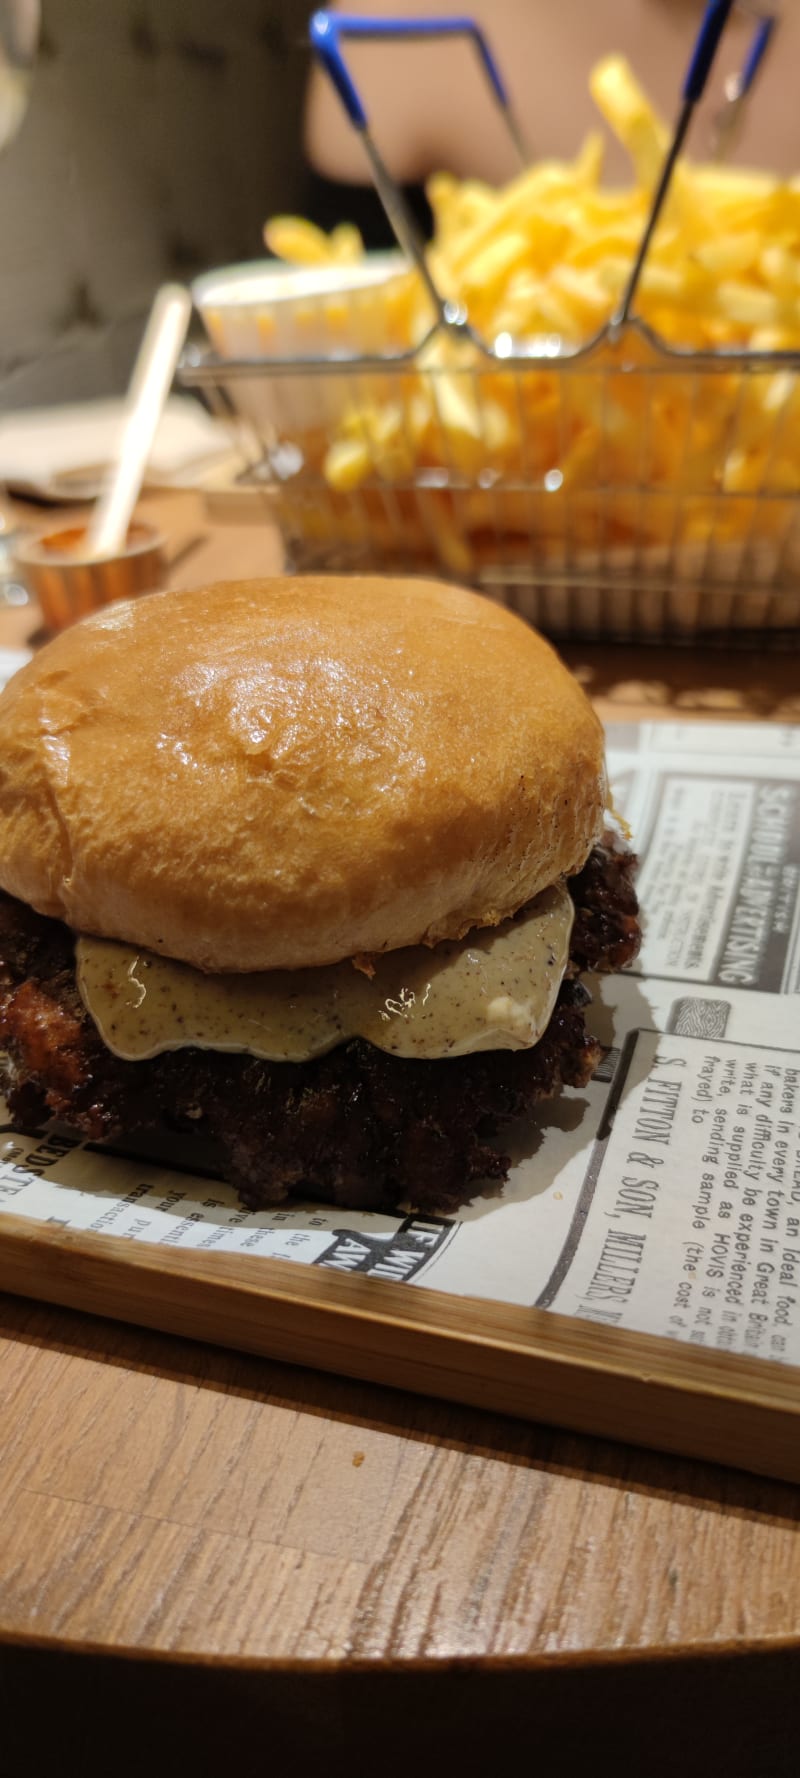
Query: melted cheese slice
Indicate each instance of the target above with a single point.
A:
(493, 990)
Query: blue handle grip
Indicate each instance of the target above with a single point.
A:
(326, 28)
(716, 18)
(755, 54)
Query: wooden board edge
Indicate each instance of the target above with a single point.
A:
(674, 1654)
(529, 1363)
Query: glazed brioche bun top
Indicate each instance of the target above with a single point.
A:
(282, 773)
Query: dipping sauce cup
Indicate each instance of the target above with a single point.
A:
(67, 584)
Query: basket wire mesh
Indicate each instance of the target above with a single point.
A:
(704, 540)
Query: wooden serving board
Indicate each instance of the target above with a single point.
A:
(529, 1363)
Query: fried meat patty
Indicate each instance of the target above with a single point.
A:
(356, 1127)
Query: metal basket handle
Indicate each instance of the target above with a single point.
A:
(706, 45)
(739, 87)
(326, 30)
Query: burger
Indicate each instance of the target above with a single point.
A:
(311, 867)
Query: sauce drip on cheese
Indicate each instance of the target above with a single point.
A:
(493, 990)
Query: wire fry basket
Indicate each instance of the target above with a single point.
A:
(623, 490)
(532, 505)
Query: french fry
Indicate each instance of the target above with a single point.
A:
(295, 239)
(628, 111)
(345, 244)
(730, 254)
(346, 463)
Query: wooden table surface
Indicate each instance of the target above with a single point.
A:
(173, 1499)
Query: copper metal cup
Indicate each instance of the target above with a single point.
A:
(68, 586)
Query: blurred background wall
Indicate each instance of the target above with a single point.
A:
(160, 135)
